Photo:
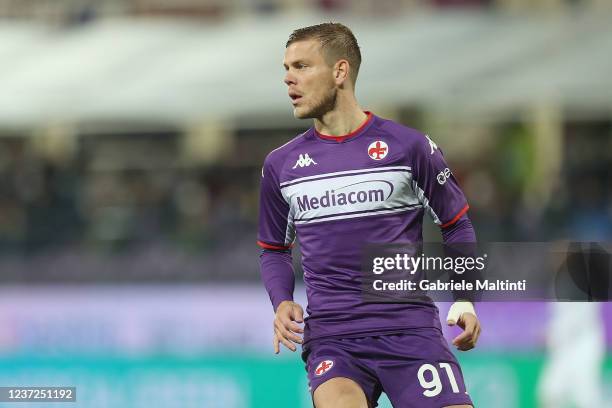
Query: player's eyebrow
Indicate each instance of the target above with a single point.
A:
(293, 63)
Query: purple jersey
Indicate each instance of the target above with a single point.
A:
(339, 194)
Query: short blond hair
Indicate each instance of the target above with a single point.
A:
(337, 42)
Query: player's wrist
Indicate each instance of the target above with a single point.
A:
(457, 310)
(285, 303)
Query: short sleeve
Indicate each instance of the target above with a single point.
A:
(276, 228)
(434, 183)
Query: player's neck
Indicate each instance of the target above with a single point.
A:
(341, 121)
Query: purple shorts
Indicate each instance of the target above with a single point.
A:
(415, 369)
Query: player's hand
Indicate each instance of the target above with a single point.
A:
(463, 315)
(288, 315)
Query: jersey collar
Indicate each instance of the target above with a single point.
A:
(354, 133)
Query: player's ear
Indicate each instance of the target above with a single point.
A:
(341, 71)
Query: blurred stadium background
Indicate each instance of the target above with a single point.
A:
(131, 138)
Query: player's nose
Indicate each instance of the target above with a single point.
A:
(289, 78)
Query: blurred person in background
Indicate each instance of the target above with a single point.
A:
(316, 187)
(576, 334)
(576, 352)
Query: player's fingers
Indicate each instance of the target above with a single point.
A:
(475, 331)
(472, 325)
(466, 340)
(465, 344)
(477, 335)
(275, 344)
(296, 328)
(287, 334)
(286, 342)
(467, 321)
(289, 324)
(297, 313)
(286, 321)
(462, 338)
(284, 318)
(469, 344)
(465, 347)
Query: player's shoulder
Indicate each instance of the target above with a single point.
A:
(277, 157)
(410, 139)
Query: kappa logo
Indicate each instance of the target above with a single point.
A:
(432, 144)
(324, 367)
(304, 161)
(378, 150)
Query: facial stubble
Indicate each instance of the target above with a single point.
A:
(326, 104)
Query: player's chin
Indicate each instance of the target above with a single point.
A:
(301, 112)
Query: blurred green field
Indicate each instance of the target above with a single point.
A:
(241, 380)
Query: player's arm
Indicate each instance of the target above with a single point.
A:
(276, 236)
(461, 239)
(279, 279)
(443, 199)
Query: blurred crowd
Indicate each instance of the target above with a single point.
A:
(137, 193)
(103, 196)
(128, 204)
(83, 11)
(168, 202)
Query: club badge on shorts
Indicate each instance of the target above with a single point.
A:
(323, 367)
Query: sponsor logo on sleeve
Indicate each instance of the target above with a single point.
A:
(443, 176)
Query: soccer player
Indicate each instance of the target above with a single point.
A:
(353, 179)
